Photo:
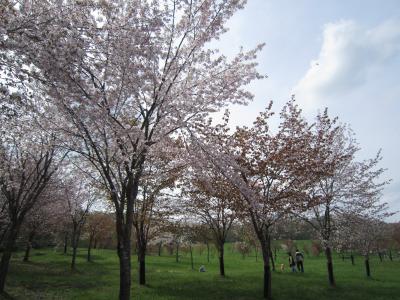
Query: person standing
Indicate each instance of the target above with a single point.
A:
(299, 261)
(292, 264)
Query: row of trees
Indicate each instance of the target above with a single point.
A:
(110, 101)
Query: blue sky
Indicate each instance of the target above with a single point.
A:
(344, 55)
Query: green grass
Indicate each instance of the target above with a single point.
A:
(48, 276)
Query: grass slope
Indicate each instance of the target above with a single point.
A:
(48, 276)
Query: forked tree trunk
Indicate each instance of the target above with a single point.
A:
(7, 252)
(271, 257)
(329, 264)
(28, 246)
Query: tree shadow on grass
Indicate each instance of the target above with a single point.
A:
(40, 277)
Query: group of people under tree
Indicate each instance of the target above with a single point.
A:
(297, 261)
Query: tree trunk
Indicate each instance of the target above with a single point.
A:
(124, 254)
(208, 252)
(367, 267)
(380, 256)
(256, 252)
(141, 244)
(390, 255)
(329, 263)
(221, 259)
(89, 257)
(7, 252)
(142, 265)
(272, 260)
(352, 258)
(267, 271)
(28, 246)
(159, 248)
(74, 241)
(65, 243)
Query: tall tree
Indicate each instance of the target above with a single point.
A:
(270, 170)
(211, 197)
(341, 183)
(124, 75)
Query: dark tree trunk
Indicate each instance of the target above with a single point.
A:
(380, 256)
(352, 258)
(367, 269)
(221, 259)
(141, 243)
(89, 256)
(142, 265)
(390, 255)
(159, 248)
(28, 246)
(256, 252)
(73, 258)
(66, 243)
(267, 271)
(95, 244)
(74, 240)
(272, 258)
(124, 255)
(275, 253)
(177, 252)
(208, 252)
(329, 264)
(7, 252)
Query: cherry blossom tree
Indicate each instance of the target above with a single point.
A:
(151, 207)
(270, 170)
(79, 195)
(210, 196)
(29, 158)
(44, 217)
(124, 76)
(99, 225)
(342, 184)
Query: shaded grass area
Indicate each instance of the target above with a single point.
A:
(48, 276)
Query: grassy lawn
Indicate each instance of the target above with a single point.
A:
(48, 276)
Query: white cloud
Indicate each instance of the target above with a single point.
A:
(349, 56)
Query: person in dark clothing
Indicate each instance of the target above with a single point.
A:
(292, 264)
(299, 261)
